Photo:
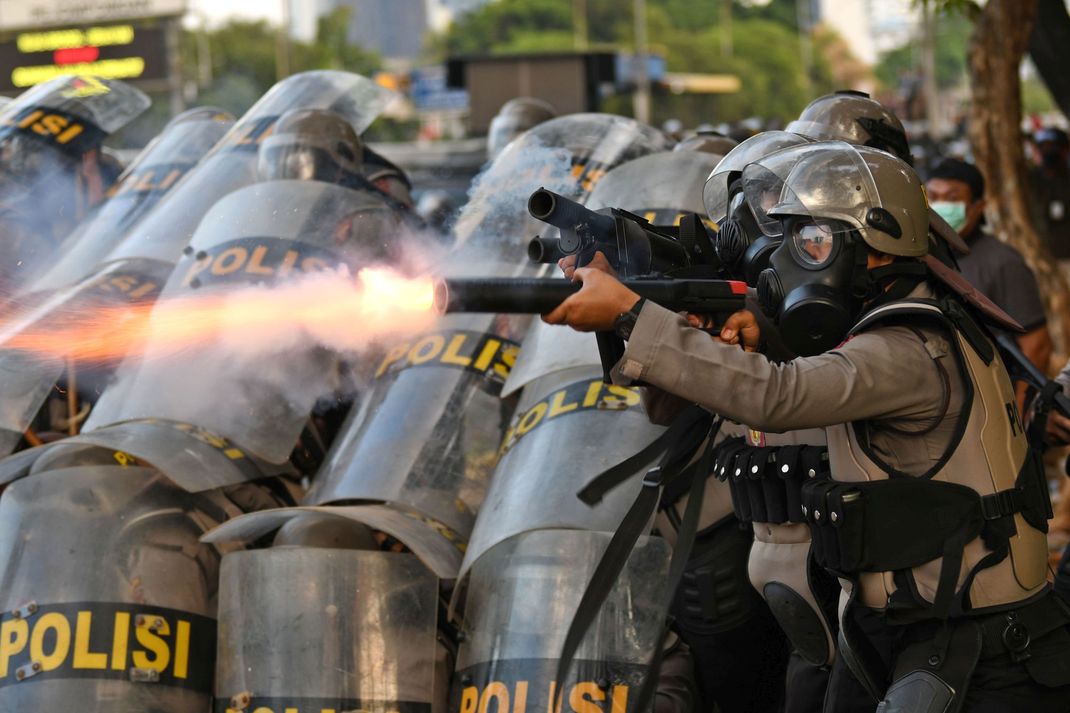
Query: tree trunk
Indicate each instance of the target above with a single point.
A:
(1000, 39)
(1050, 49)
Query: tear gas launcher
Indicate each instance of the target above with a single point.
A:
(674, 266)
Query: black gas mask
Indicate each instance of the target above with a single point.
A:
(816, 284)
(742, 246)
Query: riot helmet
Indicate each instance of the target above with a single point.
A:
(315, 530)
(744, 245)
(708, 142)
(311, 145)
(837, 202)
(856, 118)
(515, 117)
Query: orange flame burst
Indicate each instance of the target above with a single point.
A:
(327, 308)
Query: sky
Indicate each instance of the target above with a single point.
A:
(220, 10)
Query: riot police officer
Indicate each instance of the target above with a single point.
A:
(935, 511)
(854, 117)
(311, 145)
(515, 117)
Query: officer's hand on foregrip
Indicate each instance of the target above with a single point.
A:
(597, 305)
(569, 263)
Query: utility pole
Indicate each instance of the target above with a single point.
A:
(173, 39)
(204, 55)
(282, 43)
(579, 22)
(726, 28)
(642, 73)
(806, 43)
(928, 58)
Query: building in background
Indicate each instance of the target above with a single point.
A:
(394, 29)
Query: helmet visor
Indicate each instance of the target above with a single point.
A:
(823, 181)
(282, 162)
(716, 194)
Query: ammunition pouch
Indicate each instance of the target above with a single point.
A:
(766, 481)
(896, 524)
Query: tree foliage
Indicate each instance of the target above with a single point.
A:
(952, 30)
(243, 58)
(766, 52)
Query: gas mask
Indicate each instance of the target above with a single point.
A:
(744, 246)
(816, 284)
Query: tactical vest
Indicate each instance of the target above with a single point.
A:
(967, 536)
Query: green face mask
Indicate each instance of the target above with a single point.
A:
(953, 212)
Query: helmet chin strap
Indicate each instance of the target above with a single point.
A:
(895, 281)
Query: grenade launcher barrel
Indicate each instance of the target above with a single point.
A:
(539, 296)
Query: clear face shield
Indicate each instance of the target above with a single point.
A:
(717, 193)
(290, 162)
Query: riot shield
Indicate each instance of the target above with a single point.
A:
(138, 261)
(660, 187)
(232, 164)
(108, 597)
(57, 297)
(569, 426)
(441, 555)
(427, 434)
(312, 629)
(50, 137)
(152, 174)
(264, 233)
(523, 595)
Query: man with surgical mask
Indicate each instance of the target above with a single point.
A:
(956, 191)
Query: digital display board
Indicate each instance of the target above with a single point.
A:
(26, 14)
(125, 51)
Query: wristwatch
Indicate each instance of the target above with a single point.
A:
(625, 321)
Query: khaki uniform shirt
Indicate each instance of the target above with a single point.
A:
(909, 391)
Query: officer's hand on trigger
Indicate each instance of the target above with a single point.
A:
(741, 328)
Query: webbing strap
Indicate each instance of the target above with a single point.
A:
(666, 443)
(677, 454)
(685, 542)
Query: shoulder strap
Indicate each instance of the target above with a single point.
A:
(947, 311)
(927, 308)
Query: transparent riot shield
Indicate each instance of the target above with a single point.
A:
(264, 233)
(523, 595)
(58, 299)
(569, 426)
(311, 629)
(108, 597)
(141, 258)
(660, 187)
(232, 164)
(50, 138)
(427, 434)
(152, 174)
